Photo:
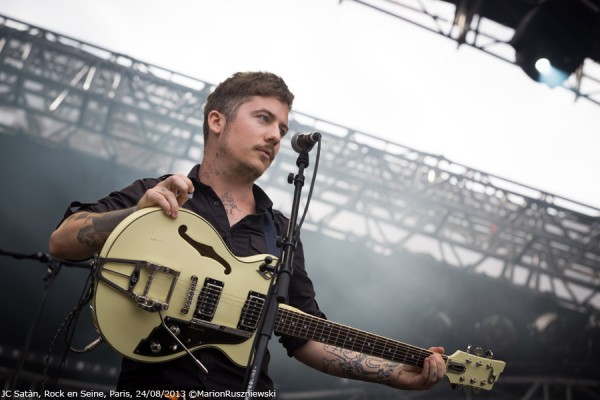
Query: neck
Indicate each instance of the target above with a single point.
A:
(237, 196)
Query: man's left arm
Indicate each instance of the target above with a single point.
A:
(353, 365)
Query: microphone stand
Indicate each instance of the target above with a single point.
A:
(54, 265)
(278, 292)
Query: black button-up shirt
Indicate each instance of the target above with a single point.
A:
(245, 238)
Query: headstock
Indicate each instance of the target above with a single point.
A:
(474, 368)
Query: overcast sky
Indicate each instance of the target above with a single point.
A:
(362, 69)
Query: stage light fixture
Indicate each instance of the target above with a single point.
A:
(592, 335)
(497, 331)
(549, 330)
(438, 323)
(553, 40)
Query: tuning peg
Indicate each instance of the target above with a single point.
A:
(489, 354)
(469, 349)
(456, 386)
(479, 351)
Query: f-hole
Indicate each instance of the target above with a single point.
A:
(204, 250)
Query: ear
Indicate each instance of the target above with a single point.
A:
(216, 122)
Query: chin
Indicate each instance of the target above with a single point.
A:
(251, 173)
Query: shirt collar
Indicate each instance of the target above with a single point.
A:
(263, 202)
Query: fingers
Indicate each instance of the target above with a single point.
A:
(434, 368)
(169, 194)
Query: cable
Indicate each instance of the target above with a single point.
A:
(68, 327)
(310, 191)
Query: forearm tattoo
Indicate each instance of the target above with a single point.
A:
(353, 365)
(97, 227)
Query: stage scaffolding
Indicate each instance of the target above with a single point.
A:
(489, 26)
(61, 92)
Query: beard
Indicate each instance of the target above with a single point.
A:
(239, 168)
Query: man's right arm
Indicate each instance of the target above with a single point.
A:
(84, 233)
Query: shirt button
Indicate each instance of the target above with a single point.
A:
(216, 203)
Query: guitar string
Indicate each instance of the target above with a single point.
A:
(377, 345)
(181, 294)
(162, 283)
(212, 295)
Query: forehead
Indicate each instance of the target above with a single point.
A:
(273, 105)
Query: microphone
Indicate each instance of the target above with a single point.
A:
(305, 141)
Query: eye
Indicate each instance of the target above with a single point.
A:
(264, 118)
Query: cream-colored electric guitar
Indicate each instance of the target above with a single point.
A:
(165, 286)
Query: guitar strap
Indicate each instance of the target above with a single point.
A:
(270, 231)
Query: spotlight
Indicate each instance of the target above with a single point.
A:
(554, 39)
(592, 335)
(550, 331)
(437, 323)
(497, 331)
(543, 66)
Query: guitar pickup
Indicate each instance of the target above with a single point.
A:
(251, 311)
(208, 299)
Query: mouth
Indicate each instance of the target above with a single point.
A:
(268, 152)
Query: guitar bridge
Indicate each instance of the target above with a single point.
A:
(129, 276)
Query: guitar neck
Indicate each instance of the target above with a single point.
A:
(306, 326)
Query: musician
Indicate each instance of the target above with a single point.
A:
(245, 119)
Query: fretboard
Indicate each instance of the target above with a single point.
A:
(305, 326)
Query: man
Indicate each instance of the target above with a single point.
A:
(245, 119)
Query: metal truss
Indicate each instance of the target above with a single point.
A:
(65, 93)
(394, 198)
(486, 26)
(68, 93)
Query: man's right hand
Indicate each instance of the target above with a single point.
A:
(169, 194)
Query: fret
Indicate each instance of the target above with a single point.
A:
(389, 351)
(364, 343)
(344, 338)
(339, 337)
(325, 333)
(413, 358)
(316, 330)
(294, 323)
(301, 325)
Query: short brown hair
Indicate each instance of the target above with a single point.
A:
(237, 89)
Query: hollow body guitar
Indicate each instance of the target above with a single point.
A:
(162, 284)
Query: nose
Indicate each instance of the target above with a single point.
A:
(273, 135)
